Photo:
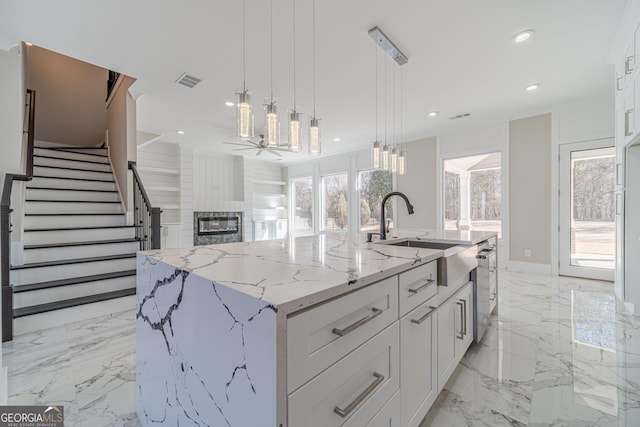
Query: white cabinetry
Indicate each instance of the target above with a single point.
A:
(455, 332)
(352, 391)
(377, 356)
(418, 358)
(627, 129)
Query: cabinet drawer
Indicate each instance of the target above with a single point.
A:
(359, 385)
(417, 286)
(418, 358)
(319, 337)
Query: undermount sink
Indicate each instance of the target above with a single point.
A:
(425, 245)
(455, 264)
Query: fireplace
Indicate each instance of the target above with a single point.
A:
(210, 228)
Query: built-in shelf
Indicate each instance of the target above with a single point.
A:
(165, 171)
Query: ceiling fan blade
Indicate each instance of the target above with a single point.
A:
(243, 149)
(259, 152)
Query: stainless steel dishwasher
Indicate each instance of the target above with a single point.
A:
(486, 290)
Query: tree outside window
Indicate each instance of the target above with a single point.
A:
(335, 202)
(302, 201)
(373, 185)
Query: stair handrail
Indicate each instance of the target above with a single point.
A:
(5, 217)
(146, 218)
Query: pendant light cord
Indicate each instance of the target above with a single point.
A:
(244, 50)
(271, 45)
(314, 58)
(401, 102)
(393, 103)
(375, 47)
(294, 55)
(385, 101)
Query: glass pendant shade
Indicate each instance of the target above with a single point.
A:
(272, 126)
(375, 153)
(394, 160)
(295, 131)
(314, 136)
(244, 115)
(385, 157)
(402, 163)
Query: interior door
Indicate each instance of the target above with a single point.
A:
(587, 209)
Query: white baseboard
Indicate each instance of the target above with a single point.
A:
(630, 307)
(529, 267)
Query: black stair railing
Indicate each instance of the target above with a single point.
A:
(145, 217)
(5, 217)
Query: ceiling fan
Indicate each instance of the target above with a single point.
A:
(261, 146)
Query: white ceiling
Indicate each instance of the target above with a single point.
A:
(461, 59)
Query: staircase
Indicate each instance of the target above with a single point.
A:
(78, 250)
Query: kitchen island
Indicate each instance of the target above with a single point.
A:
(270, 333)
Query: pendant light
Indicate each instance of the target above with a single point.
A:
(295, 127)
(272, 124)
(314, 122)
(244, 113)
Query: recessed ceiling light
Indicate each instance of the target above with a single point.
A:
(336, 139)
(532, 87)
(180, 132)
(522, 36)
(229, 104)
(432, 114)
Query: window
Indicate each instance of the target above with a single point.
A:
(472, 193)
(302, 203)
(334, 202)
(372, 186)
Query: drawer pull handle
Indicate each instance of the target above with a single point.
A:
(418, 289)
(361, 397)
(460, 303)
(423, 318)
(356, 325)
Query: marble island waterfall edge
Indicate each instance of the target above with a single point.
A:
(206, 354)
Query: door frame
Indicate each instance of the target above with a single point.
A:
(564, 209)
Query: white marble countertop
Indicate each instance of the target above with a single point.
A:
(296, 273)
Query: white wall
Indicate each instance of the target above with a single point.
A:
(121, 125)
(420, 185)
(11, 115)
(11, 111)
(71, 98)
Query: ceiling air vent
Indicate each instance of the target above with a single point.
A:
(188, 80)
(459, 116)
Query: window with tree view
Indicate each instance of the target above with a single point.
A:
(472, 193)
(302, 202)
(334, 202)
(373, 185)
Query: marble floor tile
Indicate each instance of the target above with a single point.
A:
(559, 352)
